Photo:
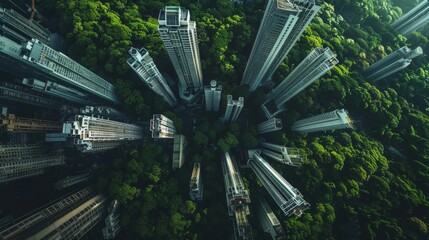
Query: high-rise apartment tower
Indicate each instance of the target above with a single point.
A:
(36, 60)
(338, 119)
(317, 63)
(179, 35)
(143, 65)
(282, 154)
(283, 23)
(392, 63)
(196, 190)
(233, 109)
(288, 198)
(413, 20)
(212, 96)
(270, 125)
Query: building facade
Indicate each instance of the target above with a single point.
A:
(112, 221)
(196, 190)
(270, 125)
(71, 180)
(316, 64)
(392, 63)
(237, 198)
(282, 154)
(212, 96)
(233, 109)
(269, 221)
(91, 134)
(17, 27)
(36, 60)
(178, 149)
(288, 198)
(338, 119)
(162, 127)
(283, 23)
(11, 123)
(179, 35)
(413, 20)
(22, 161)
(70, 218)
(143, 65)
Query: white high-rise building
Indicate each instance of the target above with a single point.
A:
(91, 134)
(178, 151)
(413, 20)
(316, 64)
(233, 109)
(143, 65)
(270, 125)
(283, 23)
(36, 60)
(338, 119)
(288, 198)
(179, 35)
(392, 63)
(282, 154)
(212, 96)
(162, 127)
(196, 190)
(269, 221)
(71, 180)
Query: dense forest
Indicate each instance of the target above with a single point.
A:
(370, 183)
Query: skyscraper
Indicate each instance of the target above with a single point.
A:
(16, 93)
(283, 23)
(338, 119)
(392, 63)
(233, 109)
(89, 134)
(212, 96)
(196, 190)
(112, 221)
(36, 60)
(179, 35)
(162, 127)
(288, 198)
(269, 221)
(20, 29)
(237, 198)
(282, 154)
(413, 20)
(178, 148)
(270, 125)
(317, 63)
(58, 90)
(143, 65)
(71, 180)
(70, 218)
(21, 161)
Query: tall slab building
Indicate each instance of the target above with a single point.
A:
(22, 161)
(179, 35)
(212, 96)
(269, 221)
(91, 134)
(316, 64)
(162, 127)
(233, 109)
(196, 189)
(413, 20)
(283, 23)
(282, 154)
(270, 125)
(143, 65)
(70, 218)
(288, 198)
(392, 63)
(338, 119)
(20, 29)
(36, 60)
